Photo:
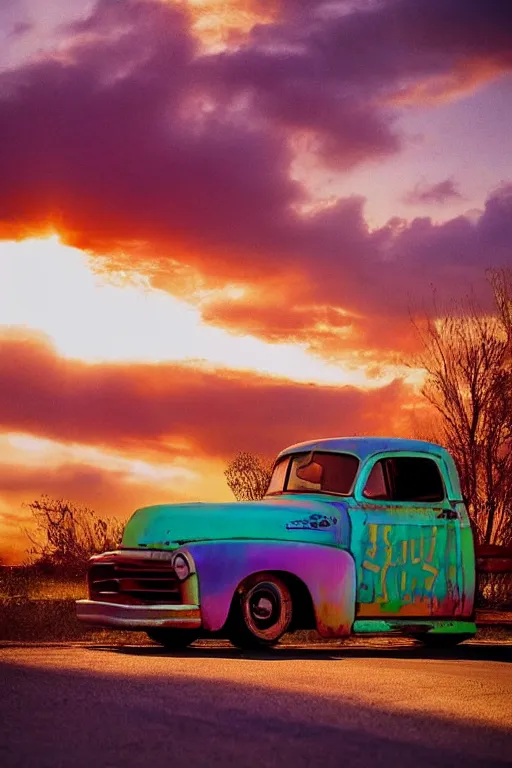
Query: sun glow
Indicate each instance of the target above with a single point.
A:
(52, 288)
(111, 482)
(221, 24)
(55, 454)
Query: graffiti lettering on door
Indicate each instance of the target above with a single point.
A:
(398, 568)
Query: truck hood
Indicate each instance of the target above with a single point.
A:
(289, 518)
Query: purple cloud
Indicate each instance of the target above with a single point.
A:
(21, 28)
(437, 194)
(135, 137)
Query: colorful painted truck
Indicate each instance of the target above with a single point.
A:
(354, 536)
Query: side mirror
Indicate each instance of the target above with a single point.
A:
(311, 473)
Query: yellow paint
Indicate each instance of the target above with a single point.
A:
(383, 576)
(430, 555)
(415, 560)
(373, 567)
(372, 534)
(407, 582)
(429, 581)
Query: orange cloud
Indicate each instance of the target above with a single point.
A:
(118, 436)
(180, 410)
(466, 77)
(220, 24)
(109, 493)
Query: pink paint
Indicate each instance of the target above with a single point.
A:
(327, 573)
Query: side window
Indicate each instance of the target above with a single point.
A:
(405, 478)
(323, 472)
(278, 476)
(375, 487)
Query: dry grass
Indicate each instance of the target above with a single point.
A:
(42, 609)
(50, 620)
(30, 586)
(58, 589)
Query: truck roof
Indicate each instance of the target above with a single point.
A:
(364, 447)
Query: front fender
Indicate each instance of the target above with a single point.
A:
(328, 573)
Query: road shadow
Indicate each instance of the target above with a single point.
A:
(122, 712)
(469, 652)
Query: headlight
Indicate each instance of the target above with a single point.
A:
(181, 567)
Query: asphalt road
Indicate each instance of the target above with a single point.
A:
(98, 706)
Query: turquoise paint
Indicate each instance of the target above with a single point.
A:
(468, 568)
(405, 565)
(372, 626)
(415, 627)
(453, 628)
(398, 560)
(366, 448)
(288, 518)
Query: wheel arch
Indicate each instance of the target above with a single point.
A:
(317, 575)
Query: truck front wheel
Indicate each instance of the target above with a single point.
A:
(173, 639)
(261, 612)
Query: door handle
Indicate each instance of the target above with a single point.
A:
(448, 514)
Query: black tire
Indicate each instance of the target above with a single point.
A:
(173, 639)
(261, 612)
(443, 641)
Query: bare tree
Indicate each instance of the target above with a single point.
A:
(67, 534)
(466, 354)
(248, 476)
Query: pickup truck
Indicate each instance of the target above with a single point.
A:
(354, 536)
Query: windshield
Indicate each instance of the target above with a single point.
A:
(317, 472)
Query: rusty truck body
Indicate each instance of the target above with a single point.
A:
(354, 536)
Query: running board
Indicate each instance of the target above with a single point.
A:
(412, 627)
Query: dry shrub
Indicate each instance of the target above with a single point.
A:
(248, 476)
(67, 534)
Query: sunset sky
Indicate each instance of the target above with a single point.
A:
(215, 219)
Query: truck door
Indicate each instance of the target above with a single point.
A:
(405, 539)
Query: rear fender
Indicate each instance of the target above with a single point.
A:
(327, 572)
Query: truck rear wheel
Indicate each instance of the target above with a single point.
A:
(173, 639)
(261, 612)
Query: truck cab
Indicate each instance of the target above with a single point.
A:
(354, 536)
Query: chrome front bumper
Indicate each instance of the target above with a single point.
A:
(136, 617)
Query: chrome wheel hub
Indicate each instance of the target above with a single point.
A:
(262, 608)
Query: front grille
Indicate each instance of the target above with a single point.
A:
(141, 582)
